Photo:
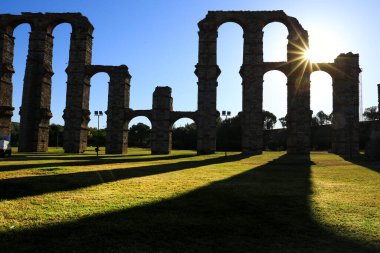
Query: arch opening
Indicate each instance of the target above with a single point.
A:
(275, 96)
(230, 58)
(321, 96)
(139, 132)
(321, 92)
(60, 59)
(275, 42)
(184, 134)
(98, 102)
(21, 35)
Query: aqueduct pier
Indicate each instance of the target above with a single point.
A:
(36, 100)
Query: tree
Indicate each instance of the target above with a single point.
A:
(139, 135)
(15, 128)
(95, 137)
(55, 135)
(185, 137)
(324, 119)
(269, 120)
(321, 119)
(371, 113)
(283, 121)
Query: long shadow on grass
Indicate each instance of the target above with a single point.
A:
(36, 185)
(265, 209)
(64, 156)
(362, 160)
(92, 160)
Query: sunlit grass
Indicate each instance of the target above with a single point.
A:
(43, 191)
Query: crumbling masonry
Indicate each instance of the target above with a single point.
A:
(35, 109)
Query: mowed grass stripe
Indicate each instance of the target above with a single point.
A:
(266, 203)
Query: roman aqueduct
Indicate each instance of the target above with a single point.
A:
(35, 109)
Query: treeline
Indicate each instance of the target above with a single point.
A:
(228, 133)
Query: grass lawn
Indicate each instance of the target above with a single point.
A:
(54, 202)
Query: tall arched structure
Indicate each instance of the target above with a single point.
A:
(252, 72)
(118, 101)
(35, 109)
(345, 72)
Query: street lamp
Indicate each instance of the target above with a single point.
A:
(226, 114)
(98, 113)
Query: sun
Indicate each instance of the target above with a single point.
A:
(324, 46)
(308, 54)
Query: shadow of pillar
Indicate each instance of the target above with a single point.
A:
(265, 209)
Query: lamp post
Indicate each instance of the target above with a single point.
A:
(226, 114)
(98, 113)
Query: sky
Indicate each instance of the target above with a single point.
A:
(158, 41)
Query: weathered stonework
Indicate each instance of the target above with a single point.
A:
(35, 110)
(345, 75)
(118, 101)
(162, 118)
(252, 72)
(161, 138)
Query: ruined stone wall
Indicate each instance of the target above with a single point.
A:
(36, 100)
(345, 121)
(35, 110)
(6, 72)
(161, 127)
(252, 72)
(118, 102)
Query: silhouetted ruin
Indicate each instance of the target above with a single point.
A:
(36, 100)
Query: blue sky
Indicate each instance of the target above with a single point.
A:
(158, 41)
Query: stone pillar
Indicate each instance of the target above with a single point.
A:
(299, 113)
(118, 101)
(35, 109)
(161, 125)
(6, 72)
(346, 105)
(76, 113)
(252, 77)
(207, 72)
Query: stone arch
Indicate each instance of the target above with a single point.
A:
(344, 72)
(77, 21)
(136, 114)
(35, 112)
(252, 72)
(176, 115)
(118, 103)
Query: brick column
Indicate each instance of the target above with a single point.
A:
(161, 124)
(118, 101)
(299, 113)
(252, 77)
(35, 109)
(207, 72)
(76, 113)
(6, 72)
(346, 105)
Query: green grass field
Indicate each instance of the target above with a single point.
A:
(54, 202)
